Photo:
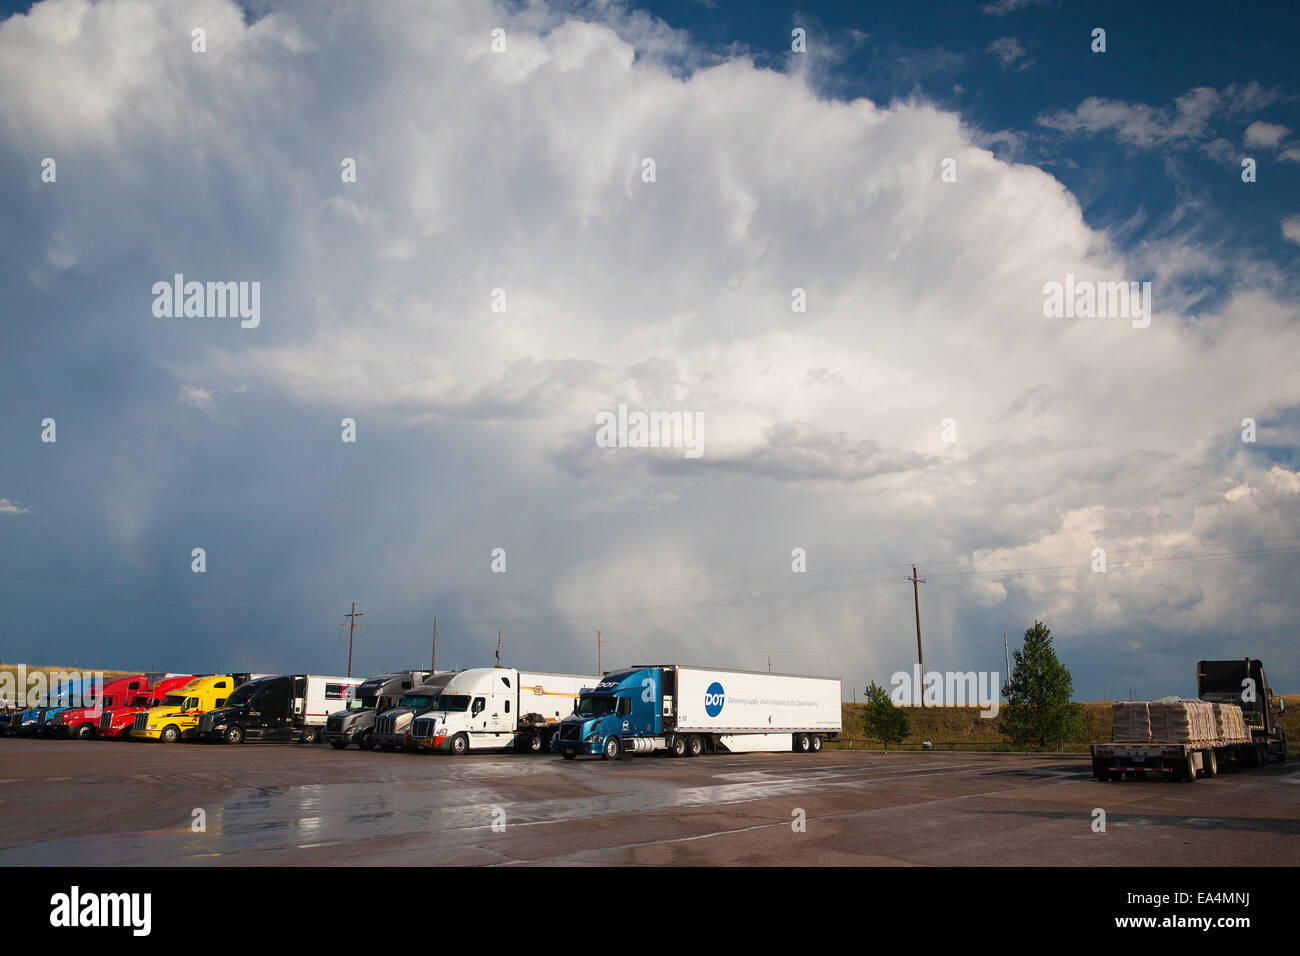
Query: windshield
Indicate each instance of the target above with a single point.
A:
(589, 705)
(174, 700)
(140, 702)
(362, 703)
(108, 702)
(243, 693)
(418, 701)
(452, 703)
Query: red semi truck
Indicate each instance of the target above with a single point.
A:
(115, 722)
(80, 722)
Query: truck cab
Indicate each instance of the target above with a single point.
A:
(116, 721)
(392, 726)
(1242, 682)
(80, 722)
(39, 721)
(374, 696)
(286, 707)
(178, 716)
(625, 703)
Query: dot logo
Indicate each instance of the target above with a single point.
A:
(714, 699)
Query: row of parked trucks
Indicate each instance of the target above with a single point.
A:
(685, 710)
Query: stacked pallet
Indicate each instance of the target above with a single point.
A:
(1183, 721)
(1131, 722)
(1231, 724)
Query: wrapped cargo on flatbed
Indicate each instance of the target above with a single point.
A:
(1231, 724)
(1183, 721)
(1131, 722)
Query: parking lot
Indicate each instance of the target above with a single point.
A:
(103, 802)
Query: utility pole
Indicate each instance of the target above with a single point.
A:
(1007, 654)
(916, 600)
(498, 648)
(351, 626)
(433, 664)
(769, 663)
(598, 670)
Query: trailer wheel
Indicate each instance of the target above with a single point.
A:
(694, 745)
(309, 735)
(613, 748)
(170, 734)
(801, 743)
(679, 746)
(815, 743)
(459, 744)
(234, 734)
(1189, 770)
(1211, 765)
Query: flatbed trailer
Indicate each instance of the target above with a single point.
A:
(1181, 760)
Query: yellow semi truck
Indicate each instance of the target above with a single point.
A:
(178, 716)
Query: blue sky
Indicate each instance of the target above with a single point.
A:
(521, 170)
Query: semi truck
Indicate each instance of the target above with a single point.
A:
(374, 696)
(116, 721)
(497, 708)
(278, 707)
(37, 721)
(80, 722)
(689, 711)
(177, 718)
(393, 724)
(1237, 687)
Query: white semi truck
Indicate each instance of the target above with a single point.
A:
(498, 708)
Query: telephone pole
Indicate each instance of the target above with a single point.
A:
(916, 600)
(1007, 655)
(598, 670)
(498, 648)
(433, 664)
(351, 626)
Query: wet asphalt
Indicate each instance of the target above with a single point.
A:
(121, 804)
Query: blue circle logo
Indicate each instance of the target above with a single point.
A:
(714, 699)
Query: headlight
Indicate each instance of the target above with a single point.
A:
(592, 738)
(153, 727)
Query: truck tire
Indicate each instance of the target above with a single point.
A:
(533, 744)
(613, 748)
(1211, 765)
(1188, 774)
(388, 748)
(801, 744)
(815, 742)
(170, 734)
(679, 746)
(235, 734)
(694, 745)
(460, 744)
(367, 741)
(310, 735)
(339, 744)
(569, 755)
(84, 732)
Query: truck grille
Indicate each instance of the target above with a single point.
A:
(386, 725)
(141, 722)
(570, 731)
(334, 725)
(106, 720)
(424, 727)
(205, 723)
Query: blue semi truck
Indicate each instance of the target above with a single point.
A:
(689, 711)
(80, 692)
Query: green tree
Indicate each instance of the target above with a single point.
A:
(1038, 711)
(883, 720)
